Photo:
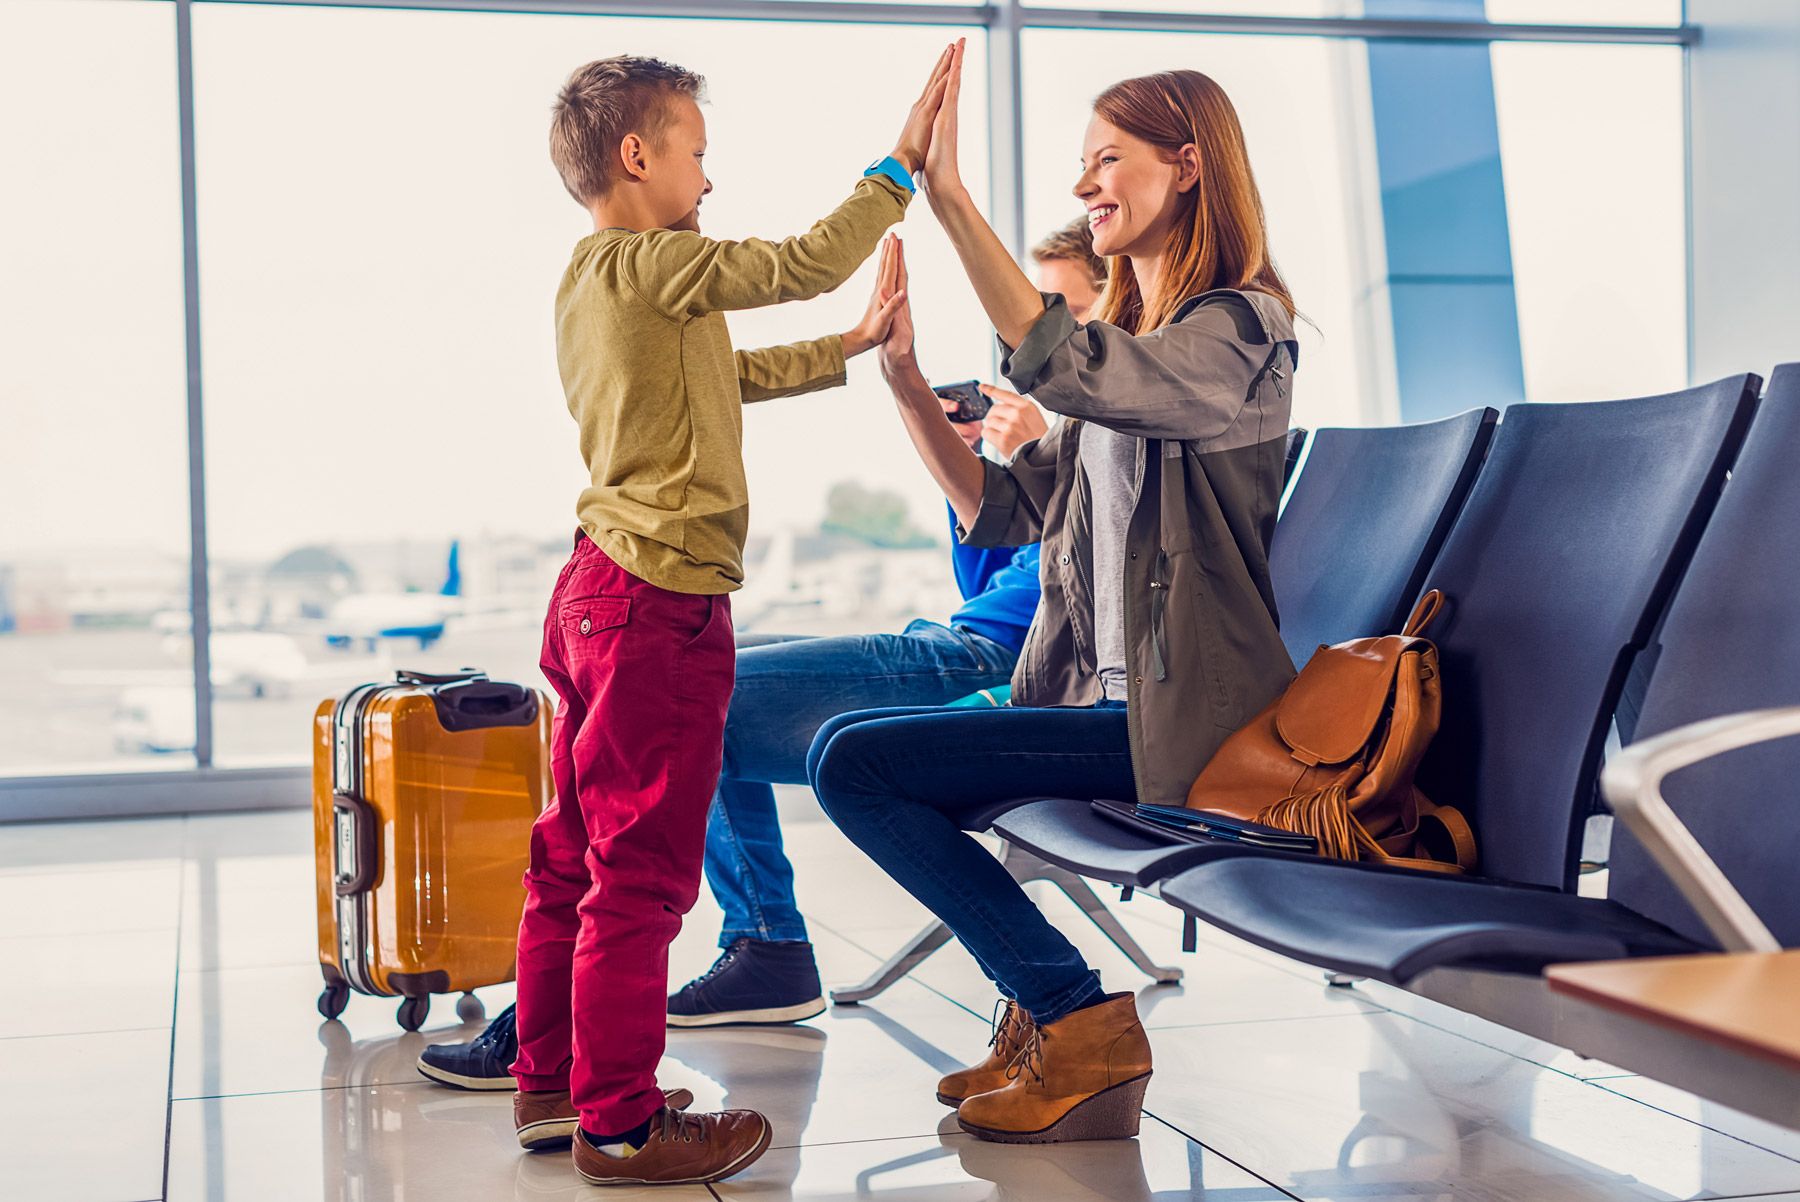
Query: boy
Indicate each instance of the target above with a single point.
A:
(638, 640)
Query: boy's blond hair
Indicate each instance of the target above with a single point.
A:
(601, 103)
(1074, 243)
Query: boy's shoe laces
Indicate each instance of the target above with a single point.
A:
(678, 1125)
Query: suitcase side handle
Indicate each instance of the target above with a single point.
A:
(353, 840)
(481, 704)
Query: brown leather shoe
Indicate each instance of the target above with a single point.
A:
(1010, 1033)
(547, 1117)
(683, 1149)
(1082, 1077)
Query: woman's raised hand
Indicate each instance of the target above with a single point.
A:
(942, 178)
(915, 135)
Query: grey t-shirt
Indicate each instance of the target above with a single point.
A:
(1110, 461)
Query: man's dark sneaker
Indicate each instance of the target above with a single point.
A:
(485, 1062)
(752, 982)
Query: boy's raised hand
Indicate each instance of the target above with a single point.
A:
(884, 303)
(915, 135)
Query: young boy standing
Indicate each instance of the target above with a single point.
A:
(638, 639)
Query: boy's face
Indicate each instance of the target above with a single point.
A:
(677, 179)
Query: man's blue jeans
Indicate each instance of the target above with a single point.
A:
(787, 687)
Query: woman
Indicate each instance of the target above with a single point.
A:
(1156, 635)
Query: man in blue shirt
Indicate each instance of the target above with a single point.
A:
(789, 686)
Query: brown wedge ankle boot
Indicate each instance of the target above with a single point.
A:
(1010, 1034)
(1082, 1077)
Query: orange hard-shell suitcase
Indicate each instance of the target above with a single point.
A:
(424, 792)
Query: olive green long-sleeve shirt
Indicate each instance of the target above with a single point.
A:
(658, 392)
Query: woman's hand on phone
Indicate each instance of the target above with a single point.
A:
(1012, 422)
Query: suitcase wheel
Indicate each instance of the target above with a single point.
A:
(469, 1008)
(413, 1011)
(333, 1000)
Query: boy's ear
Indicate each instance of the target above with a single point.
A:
(632, 156)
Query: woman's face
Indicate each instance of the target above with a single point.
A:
(1130, 189)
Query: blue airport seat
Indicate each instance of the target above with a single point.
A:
(1296, 443)
(1365, 519)
(1731, 642)
(1363, 522)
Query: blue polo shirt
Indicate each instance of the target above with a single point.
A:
(1000, 590)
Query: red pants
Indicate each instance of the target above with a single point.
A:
(644, 676)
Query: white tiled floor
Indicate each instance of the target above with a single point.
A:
(158, 1040)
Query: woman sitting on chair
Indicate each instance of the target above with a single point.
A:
(1156, 636)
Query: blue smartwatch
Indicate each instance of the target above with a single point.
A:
(895, 170)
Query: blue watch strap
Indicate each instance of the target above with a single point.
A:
(895, 170)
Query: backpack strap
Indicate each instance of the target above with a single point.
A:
(1424, 613)
(1442, 829)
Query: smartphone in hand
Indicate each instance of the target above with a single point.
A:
(971, 405)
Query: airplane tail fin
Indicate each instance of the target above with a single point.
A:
(453, 571)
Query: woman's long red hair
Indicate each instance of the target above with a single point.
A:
(1220, 239)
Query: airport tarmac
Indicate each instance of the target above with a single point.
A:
(93, 700)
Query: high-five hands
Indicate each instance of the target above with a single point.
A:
(942, 180)
(896, 353)
(916, 134)
(884, 303)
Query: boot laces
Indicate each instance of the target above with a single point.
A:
(999, 1021)
(1030, 1056)
(1009, 1023)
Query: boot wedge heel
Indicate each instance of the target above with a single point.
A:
(1113, 1113)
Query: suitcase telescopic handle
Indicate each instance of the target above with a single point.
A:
(408, 676)
(479, 704)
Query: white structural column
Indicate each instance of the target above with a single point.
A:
(1006, 138)
(1744, 180)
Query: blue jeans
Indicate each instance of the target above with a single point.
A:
(787, 686)
(902, 782)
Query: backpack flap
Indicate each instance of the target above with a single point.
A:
(1331, 709)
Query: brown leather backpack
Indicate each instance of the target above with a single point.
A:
(1334, 756)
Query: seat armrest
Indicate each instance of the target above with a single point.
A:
(1632, 785)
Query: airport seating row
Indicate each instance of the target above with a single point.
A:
(1574, 542)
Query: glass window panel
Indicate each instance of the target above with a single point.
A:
(1529, 12)
(1591, 147)
(93, 459)
(381, 258)
(1586, 12)
(1296, 100)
